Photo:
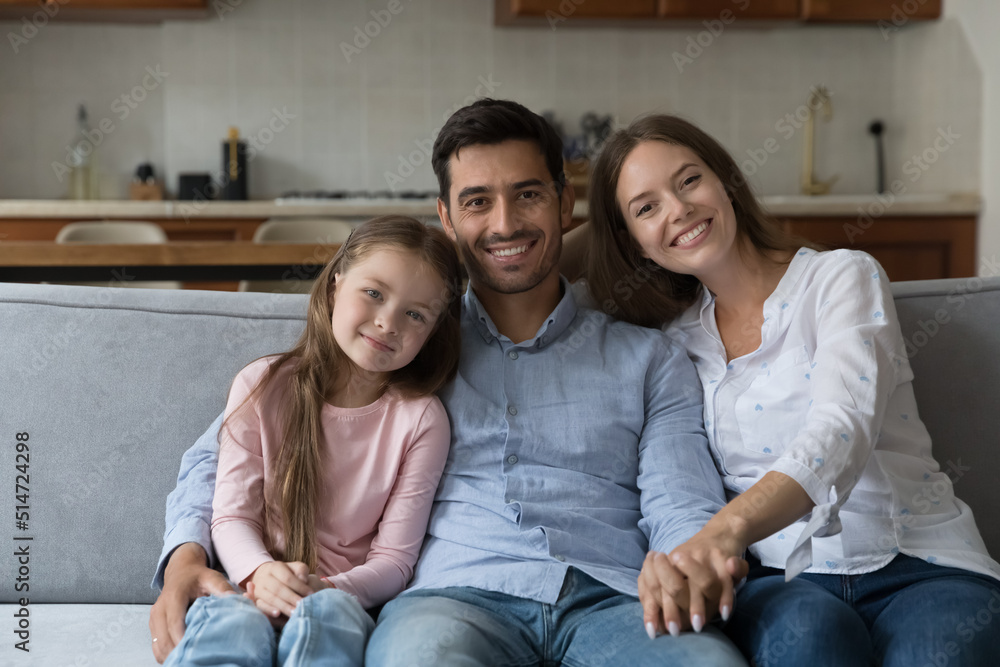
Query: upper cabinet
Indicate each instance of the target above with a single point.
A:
(665, 13)
(895, 12)
(727, 10)
(39, 13)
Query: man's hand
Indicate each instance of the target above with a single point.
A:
(278, 587)
(186, 578)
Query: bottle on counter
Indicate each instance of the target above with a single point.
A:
(81, 160)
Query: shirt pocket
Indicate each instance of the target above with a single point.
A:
(773, 408)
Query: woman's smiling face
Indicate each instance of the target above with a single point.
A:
(676, 208)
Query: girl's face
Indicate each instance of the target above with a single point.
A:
(676, 208)
(385, 307)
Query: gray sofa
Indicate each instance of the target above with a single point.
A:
(112, 385)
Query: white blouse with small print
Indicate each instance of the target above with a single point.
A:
(827, 399)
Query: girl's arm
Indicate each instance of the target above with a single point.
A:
(401, 531)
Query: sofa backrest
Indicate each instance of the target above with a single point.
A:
(952, 334)
(113, 385)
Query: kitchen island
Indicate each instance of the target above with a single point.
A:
(914, 236)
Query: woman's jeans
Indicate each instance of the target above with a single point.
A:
(910, 613)
(327, 628)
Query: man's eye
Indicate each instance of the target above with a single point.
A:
(529, 194)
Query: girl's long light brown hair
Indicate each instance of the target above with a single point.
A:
(320, 368)
(632, 287)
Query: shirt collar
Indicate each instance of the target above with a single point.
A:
(553, 327)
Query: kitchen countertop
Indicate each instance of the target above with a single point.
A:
(962, 204)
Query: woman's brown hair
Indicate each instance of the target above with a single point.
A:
(630, 286)
(320, 368)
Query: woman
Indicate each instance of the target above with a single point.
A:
(810, 415)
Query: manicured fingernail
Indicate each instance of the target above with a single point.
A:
(674, 629)
(697, 622)
(651, 631)
(725, 612)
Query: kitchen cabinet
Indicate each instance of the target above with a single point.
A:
(907, 247)
(737, 9)
(667, 13)
(893, 12)
(37, 13)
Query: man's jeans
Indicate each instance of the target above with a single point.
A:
(910, 613)
(591, 624)
(328, 628)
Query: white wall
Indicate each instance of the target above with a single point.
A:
(354, 122)
(979, 20)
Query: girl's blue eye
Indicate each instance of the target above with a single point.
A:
(373, 293)
(415, 315)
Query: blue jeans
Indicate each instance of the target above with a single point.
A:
(910, 613)
(589, 625)
(327, 628)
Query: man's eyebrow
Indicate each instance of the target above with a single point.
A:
(528, 183)
(472, 190)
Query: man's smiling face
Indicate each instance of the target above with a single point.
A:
(506, 215)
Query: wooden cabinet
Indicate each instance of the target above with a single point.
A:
(666, 13)
(908, 248)
(724, 9)
(39, 13)
(895, 12)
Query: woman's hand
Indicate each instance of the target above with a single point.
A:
(687, 588)
(276, 587)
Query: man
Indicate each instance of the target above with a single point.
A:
(577, 446)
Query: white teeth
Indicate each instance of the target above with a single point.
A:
(510, 251)
(692, 235)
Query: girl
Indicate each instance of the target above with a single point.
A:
(330, 455)
(811, 418)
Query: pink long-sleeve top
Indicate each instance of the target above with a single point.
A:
(383, 465)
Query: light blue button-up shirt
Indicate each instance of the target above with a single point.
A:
(581, 447)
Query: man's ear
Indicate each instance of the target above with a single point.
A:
(445, 216)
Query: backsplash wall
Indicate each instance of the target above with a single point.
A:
(327, 109)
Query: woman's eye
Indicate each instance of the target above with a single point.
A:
(692, 179)
(373, 293)
(645, 209)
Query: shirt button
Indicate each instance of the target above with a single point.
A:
(512, 354)
(512, 410)
(512, 459)
(560, 558)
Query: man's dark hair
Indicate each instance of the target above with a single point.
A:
(488, 122)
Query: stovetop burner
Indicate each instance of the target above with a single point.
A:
(357, 194)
